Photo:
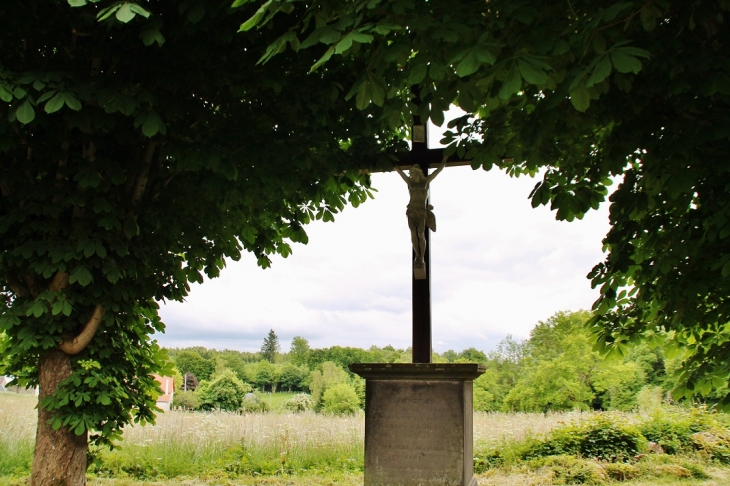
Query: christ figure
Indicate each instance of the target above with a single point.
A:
(419, 212)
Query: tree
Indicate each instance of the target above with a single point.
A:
(292, 377)
(340, 399)
(586, 92)
(129, 170)
(328, 375)
(192, 362)
(224, 392)
(270, 348)
(299, 351)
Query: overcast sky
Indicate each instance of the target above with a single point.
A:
(497, 265)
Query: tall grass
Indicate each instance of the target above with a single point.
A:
(17, 429)
(227, 444)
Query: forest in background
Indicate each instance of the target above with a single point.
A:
(555, 369)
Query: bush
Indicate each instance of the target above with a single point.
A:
(340, 399)
(715, 444)
(571, 470)
(187, 400)
(673, 427)
(252, 403)
(225, 392)
(606, 437)
(299, 403)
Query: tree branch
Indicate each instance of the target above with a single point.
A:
(79, 343)
(141, 182)
(59, 282)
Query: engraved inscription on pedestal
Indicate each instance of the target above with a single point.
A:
(418, 423)
(415, 429)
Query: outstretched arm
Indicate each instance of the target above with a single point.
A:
(438, 169)
(402, 174)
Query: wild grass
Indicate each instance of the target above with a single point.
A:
(17, 432)
(227, 444)
(279, 449)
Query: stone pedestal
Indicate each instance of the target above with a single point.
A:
(418, 423)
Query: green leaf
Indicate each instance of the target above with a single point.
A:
(107, 12)
(579, 98)
(82, 275)
(327, 55)
(417, 74)
(77, 3)
(625, 63)
(139, 10)
(125, 13)
(344, 44)
(153, 124)
(151, 35)
(600, 72)
(612, 11)
(512, 84)
(361, 37)
(5, 95)
(469, 64)
(253, 21)
(25, 112)
(437, 116)
(531, 73)
(54, 104)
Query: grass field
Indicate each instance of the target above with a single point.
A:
(285, 449)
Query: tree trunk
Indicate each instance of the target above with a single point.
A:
(60, 455)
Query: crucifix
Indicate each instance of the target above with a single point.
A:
(421, 221)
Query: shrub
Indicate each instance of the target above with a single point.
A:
(225, 392)
(252, 403)
(621, 471)
(672, 427)
(299, 403)
(187, 400)
(340, 399)
(606, 437)
(571, 470)
(714, 443)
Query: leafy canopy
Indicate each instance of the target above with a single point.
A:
(141, 147)
(587, 92)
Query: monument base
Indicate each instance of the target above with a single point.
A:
(418, 423)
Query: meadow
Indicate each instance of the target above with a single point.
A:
(280, 448)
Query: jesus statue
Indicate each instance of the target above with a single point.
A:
(419, 212)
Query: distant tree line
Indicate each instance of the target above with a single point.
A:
(556, 368)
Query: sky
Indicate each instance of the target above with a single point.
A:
(498, 267)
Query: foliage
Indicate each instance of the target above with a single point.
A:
(588, 92)
(186, 399)
(606, 437)
(299, 351)
(192, 362)
(110, 130)
(225, 392)
(252, 403)
(263, 374)
(673, 428)
(270, 349)
(568, 469)
(340, 399)
(328, 375)
(299, 403)
(293, 377)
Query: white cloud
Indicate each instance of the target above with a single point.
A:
(498, 267)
